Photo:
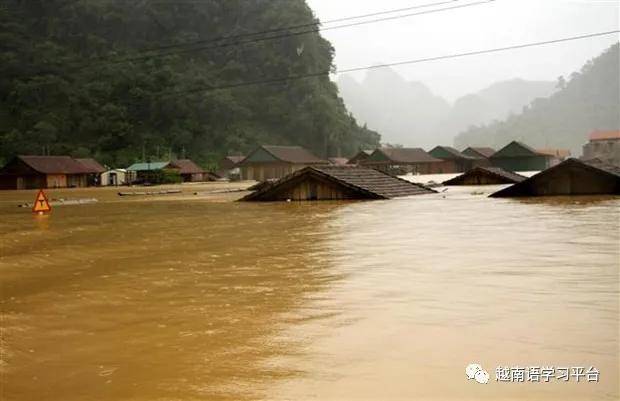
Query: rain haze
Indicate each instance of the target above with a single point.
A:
(485, 26)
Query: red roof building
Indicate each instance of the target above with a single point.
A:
(604, 146)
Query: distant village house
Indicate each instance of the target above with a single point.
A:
(32, 172)
(269, 162)
(603, 145)
(360, 157)
(517, 156)
(191, 172)
(228, 167)
(482, 155)
(404, 160)
(453, 160)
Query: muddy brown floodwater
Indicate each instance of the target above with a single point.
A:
(189, 299)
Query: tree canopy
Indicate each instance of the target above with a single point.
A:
(76, 77)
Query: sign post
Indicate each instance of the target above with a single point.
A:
(41, 204)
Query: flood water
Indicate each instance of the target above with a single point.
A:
(382, 300)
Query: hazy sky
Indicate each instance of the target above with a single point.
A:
(496, 24)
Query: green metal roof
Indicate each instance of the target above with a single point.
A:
(148, 166)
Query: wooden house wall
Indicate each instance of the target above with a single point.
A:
(313, 189)
(56, 181)
(266, 171)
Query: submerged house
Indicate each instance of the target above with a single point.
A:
(517, 156)
(603, 145)
(403, 161)
(481, 154)
(96, 169)
(228, 167)
(191, 172)
(336, 183)
(571, 177)
(113, 177)
(360, 157)
(146, 172)
(486, 176)
(32, 172)
(454, 161)
(269, 162)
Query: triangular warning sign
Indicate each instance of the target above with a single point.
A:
(41, 204)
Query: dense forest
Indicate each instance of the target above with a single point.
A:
(589, 100)
(110, 79)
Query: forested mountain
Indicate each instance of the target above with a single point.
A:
(407, 112)
(589, 100)
(75, 78)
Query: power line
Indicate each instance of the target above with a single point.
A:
(285, 35)
(399, 63)
(291, 27)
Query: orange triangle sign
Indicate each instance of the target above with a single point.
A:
(41, 204)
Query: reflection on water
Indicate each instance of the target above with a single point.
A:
(329, 301)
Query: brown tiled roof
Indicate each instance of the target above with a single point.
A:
(366, 182)
(407, 155)
(293, 154)
(561, 153)
(503, 176)
(55, 164)
(482, 151)
(186, 166)
(92, 165)
(603, 135)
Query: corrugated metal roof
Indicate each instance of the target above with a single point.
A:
(407, 155)
(92, 165)
(503, 176)
(450, 150)
(55, 164)
(148, 166)
(186, 166)
(481, 151)
(504, 152)
(367, 182)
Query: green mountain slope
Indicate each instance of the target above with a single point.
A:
(67, 86)
(590, 100)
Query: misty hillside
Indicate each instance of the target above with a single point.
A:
(493, 103)
(75, 79)
(409, 113)
(590, 100)
(403, 112)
